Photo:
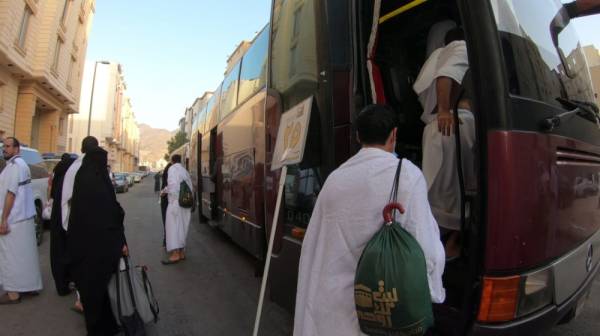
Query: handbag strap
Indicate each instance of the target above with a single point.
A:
(395, 186)
(154, 308)
(129, 283)
(118, 280)
(394, 192)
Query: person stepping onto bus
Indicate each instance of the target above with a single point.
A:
(438, 87)
(178, 218)
(346, 216)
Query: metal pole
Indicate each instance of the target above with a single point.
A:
(269, 250)
(92, 99)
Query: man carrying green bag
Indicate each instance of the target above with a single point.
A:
(347, 217)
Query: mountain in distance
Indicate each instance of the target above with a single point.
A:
(153, 143)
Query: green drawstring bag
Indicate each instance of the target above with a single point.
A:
(391, 291)
(186, 197)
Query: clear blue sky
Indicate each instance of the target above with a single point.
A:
(174, 50)
(171, 50)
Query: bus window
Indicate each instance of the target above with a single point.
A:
(229, 91)
(202, 119)
(533, 64)
(294, 72)
(254, 67)
(212, 110)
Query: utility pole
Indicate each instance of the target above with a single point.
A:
(92, 95)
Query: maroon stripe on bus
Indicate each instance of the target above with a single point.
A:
(543, 198)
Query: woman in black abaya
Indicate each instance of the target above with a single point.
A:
(96, 240)
(59, 259)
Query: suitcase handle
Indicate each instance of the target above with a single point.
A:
(389, 210)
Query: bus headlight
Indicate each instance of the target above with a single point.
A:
(537, 291)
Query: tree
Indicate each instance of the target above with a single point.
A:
(178, 140)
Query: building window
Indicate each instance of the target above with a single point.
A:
(61, 126)
(1, 97)
(70, 75)
(57, 50)
(24, 27)
(65, 12)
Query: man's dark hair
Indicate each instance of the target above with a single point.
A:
(65, 156)
(176, 158)
(374, 124)
(88, 143)
(455, 34)
(15, 143)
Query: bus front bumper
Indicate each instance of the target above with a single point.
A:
(544, 319)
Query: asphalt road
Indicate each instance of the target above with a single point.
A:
(213, 292)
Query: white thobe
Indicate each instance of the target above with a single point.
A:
(439, 151)
(19, 261)
(177, 220)
(346, 216)
(67, 190)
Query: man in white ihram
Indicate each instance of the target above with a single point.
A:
(347, 214)
(178, 218)
(19, 261)
(437, 86)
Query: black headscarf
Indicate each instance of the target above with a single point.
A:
(59, 175)
(59, 258)
(95, 240)
(165, 175)
(96, 218)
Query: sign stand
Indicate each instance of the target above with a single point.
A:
(263, 286)
(289, 149)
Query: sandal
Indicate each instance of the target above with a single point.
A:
(170, 262)
(5, 300)
(77, 310)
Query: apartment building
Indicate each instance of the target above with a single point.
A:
(42, 53)
(106, 113)
(592, 54)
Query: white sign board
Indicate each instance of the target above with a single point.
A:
(291, 136)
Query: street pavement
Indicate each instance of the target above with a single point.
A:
(213, 292)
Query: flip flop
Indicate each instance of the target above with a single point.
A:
(77, 310)
(170, 262)
(5, 300)
(32, 293)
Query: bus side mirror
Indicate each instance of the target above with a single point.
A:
(558, 24)
(573, 10)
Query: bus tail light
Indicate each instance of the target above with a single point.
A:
(537, 291)
(298, 232)
(499, 299)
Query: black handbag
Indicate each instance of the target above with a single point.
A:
(132, 325)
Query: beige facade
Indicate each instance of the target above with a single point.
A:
(106, 113)
(593, 59)
(42, 52)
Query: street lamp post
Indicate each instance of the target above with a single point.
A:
(92, 95)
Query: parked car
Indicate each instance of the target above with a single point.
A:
(130, 179)
(39, 183)
(50, 164)
(121, 183)
(137, 177)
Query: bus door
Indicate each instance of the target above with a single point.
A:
(213, 174)
(198, 167)
(405, 35)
